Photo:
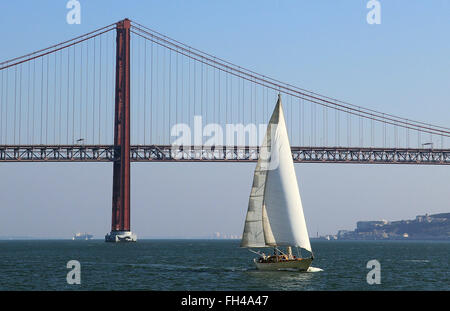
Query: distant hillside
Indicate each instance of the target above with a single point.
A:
(423, 227)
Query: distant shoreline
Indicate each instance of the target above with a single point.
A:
(218, 240)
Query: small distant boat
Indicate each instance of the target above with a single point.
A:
(82, 236)
(275, 216)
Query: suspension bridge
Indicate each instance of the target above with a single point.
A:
(124, 92)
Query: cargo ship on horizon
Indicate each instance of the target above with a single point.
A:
(82, 236)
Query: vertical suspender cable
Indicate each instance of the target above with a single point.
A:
(54, 100)
(1, 107)
(20, 103)
(6, 105)
(60, 95)
(151, 92)
(68, 95)
(46, 104)
(93, 95)
(15, 103)
(42, 97)
(86, 120)
(145, 87)
(170, 95)
(99, 90)
(81, 91)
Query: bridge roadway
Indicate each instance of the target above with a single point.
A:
(168, 153)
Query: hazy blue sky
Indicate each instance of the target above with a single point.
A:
(401, 66)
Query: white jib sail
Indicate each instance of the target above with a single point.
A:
(275, 213)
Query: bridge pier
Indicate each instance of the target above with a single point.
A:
(120, 223)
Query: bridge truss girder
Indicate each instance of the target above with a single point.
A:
(168, 153)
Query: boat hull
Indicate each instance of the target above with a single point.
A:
(288, 265)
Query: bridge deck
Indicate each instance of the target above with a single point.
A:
(168, 153)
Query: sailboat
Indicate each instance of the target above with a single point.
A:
(275, 216)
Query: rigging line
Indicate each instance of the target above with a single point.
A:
(55, 50)
(266, 77)
(277, 87)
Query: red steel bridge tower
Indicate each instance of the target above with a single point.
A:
(120, 221)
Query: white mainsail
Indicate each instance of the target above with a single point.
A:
(275, 213)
